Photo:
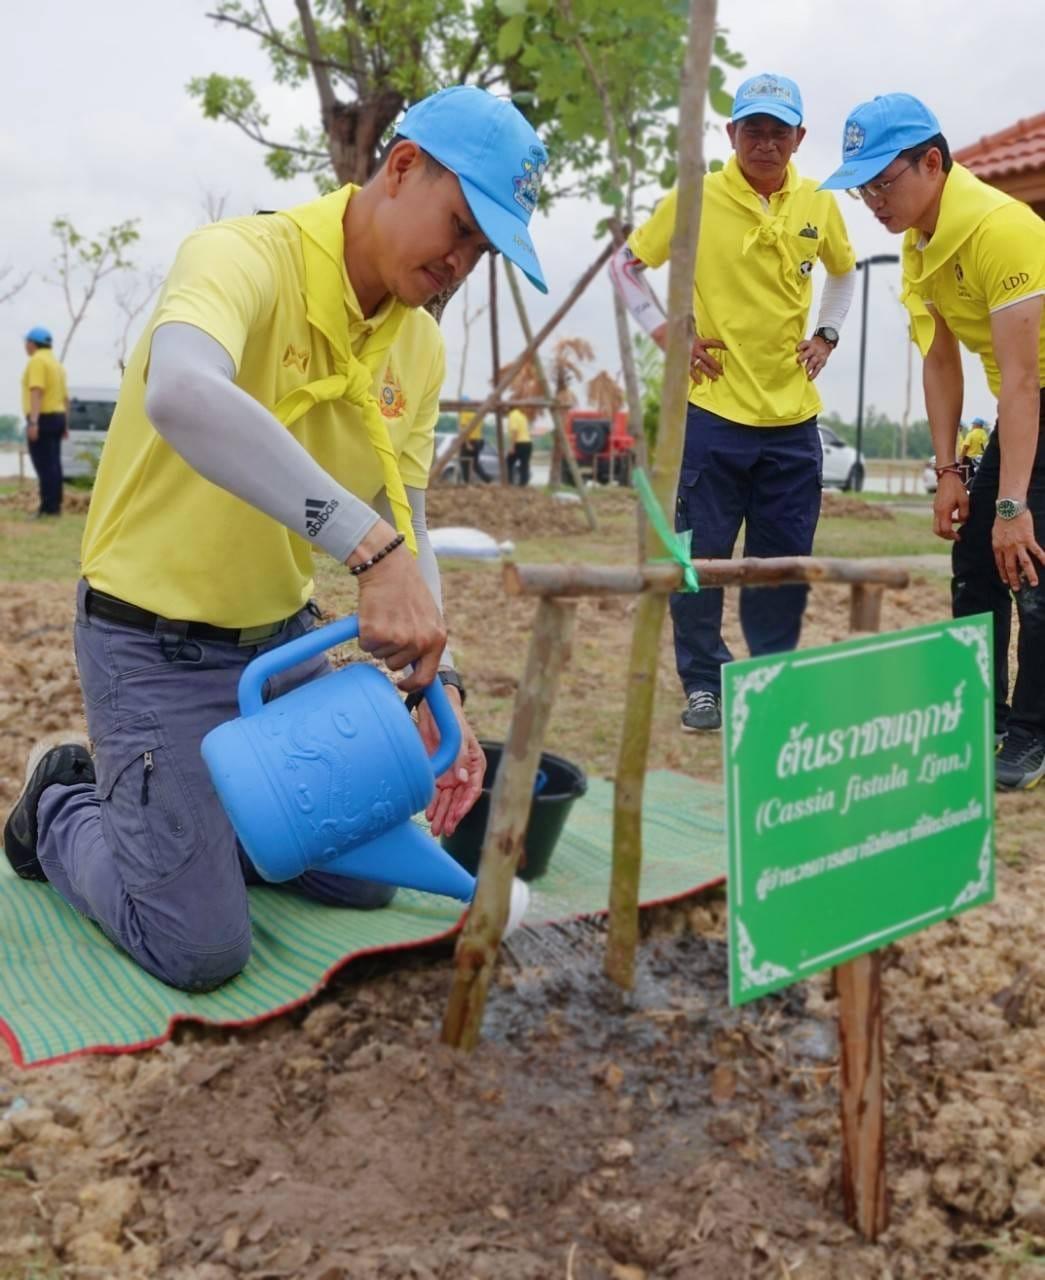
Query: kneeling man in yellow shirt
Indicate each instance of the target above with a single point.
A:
(282, 398)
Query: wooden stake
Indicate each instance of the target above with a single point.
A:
(649, 617)
(510, 804)
(556, 411)
(572, 580)
(858, 984)
(861, 1056)
(495, 351)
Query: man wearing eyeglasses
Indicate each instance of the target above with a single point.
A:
(752, 452)
(974, 274)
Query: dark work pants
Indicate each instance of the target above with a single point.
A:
(147, 852)
(519, 464)
(470, 452)
(977, 588)
(769, 479)
(45, 452)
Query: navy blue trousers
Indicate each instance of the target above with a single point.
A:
(977, 588)
(45, 452)
(769, 479)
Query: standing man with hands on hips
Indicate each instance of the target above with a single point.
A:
(752, 450)
(974, 274)
(283, 396)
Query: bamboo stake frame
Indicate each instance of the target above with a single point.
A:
(858, 983)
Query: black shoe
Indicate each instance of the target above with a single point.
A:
(703, 713)
(63, 760)
(1020, 764)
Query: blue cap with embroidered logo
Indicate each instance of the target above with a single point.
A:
(497, 158)
(769, 95)
(875, 134)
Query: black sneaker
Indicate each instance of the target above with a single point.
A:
(1020, 764)
(703, 713)
(62, 759)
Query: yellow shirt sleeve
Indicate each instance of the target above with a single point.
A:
(836, 253)
(36, 372)
(223, 282)
(1009, 256)
(415, 460)
(652, 241)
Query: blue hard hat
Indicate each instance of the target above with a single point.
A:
(875, 134)
(41, 336)
(496, 157)
(770, 95)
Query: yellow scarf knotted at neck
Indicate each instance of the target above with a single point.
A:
(321, 223)
(770, 227)
(965, 202)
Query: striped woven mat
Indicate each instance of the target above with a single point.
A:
(66, 990)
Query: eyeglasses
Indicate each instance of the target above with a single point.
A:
(875, 190)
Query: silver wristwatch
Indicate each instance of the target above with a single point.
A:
(1009, 508)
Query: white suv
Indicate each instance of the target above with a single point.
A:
(843, 466)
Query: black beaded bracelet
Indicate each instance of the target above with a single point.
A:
(397, 541)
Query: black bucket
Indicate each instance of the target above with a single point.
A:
(559, 783)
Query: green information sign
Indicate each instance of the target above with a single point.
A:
(860, 797)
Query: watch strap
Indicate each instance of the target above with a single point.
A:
(445, 678)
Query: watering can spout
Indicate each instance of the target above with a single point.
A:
(409, 857)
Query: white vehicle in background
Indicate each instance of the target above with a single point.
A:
(90, 412)
(843, 466)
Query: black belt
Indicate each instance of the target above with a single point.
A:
(110, 609)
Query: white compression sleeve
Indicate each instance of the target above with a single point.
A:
(231, 440)
(836, 300)
(628, 274)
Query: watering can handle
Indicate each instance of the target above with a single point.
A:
(252, 682)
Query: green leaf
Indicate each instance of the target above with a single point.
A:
(512, 8)
(510, 36)
(715, 165)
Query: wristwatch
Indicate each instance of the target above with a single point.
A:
(446, 677)
(1009, 508)
(829, 335)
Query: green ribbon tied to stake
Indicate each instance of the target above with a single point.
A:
(677, 545)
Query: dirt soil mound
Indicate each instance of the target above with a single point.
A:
(837, 504)
(514, 513)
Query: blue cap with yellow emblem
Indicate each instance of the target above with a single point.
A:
(497, 158)
(875, 134)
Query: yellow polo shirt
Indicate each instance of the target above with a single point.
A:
(1001, 263)
(519, 427)
(465, 420)
(161, 536)
(752, 288)
(974, 443)
(44, 373)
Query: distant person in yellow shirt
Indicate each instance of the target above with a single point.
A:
(282, 398)
(752, 452)
(973, 274)
(472, 448)
(521, 446)
(45, 403)
(974, 442)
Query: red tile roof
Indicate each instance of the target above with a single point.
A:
(1018, 149)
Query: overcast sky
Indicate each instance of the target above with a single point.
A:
(97, 126)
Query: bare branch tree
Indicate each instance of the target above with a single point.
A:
(132, 300)
(90, 261)
(467, 320)
(11, 289)
(213, 204)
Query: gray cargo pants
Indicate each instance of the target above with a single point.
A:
(147, 852)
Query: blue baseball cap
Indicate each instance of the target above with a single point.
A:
(875, 134)
(41, 336)
(770, 95)
(497, 158)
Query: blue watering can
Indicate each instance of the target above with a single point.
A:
(328, 776)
